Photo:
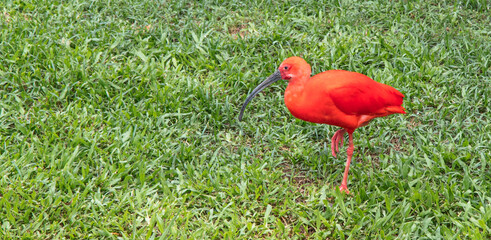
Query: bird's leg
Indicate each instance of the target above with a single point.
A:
(336, 138)
(351, 148)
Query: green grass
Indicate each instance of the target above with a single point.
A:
(118, 119)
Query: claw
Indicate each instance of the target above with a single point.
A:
(336, 139)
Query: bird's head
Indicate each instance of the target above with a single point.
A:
(291, 69)
(294, 68)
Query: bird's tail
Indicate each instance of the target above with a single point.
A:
(396, 109)
(395, 105)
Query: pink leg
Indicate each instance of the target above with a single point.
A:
(336, 138)
(351, 148)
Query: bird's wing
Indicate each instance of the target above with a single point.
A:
(371, 98)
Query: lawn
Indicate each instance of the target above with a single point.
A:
(118, 120)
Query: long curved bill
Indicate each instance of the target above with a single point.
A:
(270, 80)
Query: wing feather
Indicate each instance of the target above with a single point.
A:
(367, 97)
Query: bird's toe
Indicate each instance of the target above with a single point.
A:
(344, 189)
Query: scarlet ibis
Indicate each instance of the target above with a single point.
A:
(336, 97)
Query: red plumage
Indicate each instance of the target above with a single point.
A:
(336, 97)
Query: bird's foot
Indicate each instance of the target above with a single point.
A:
(337, 140)
(344, 189)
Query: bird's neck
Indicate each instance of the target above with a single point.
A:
(294, 93)
(297, 85)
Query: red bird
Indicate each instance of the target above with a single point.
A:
(341, 98)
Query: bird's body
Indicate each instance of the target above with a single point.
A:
(341, 98)
(336, 97)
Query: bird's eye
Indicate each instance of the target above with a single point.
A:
(286, 67)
